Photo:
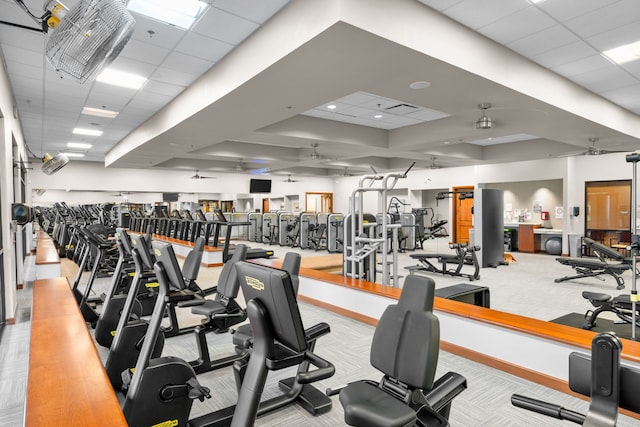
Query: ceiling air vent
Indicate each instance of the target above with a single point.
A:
(402, 109)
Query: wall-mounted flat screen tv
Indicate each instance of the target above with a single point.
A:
(260, 186)
(169, 197)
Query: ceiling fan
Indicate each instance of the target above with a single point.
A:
(346, 172)
(198, 176)
(314, 155)
(289, 180)
(593, 150)
(433, 164)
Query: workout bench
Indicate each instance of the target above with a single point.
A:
(464, 255)
(621, 306)
(589, 267)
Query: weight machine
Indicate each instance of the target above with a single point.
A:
(360, 246)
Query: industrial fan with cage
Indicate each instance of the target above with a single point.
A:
(84, 38)
(87, 37)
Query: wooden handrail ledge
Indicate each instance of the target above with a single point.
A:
(67, 384)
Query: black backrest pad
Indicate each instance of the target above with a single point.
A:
(406, 341)
(291, 264)
(124, 240)
(164, 253)
(228, 284)
(272, 287)
(191, 265)
(139, 242)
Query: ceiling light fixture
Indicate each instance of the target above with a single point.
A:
(99, 112)
(79, 145)
(625, 53)
(180, 14)
(73, 154)
(331, 107)
(121, 78)
(484, 122)
(87, 132)
(377, 116)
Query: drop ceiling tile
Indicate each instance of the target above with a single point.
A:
(360, 112)
(133, 66)
(152, 101)
(440, 4)
(178, 78)
(110, 97)
(521, 23)
(161, 88)
(543, 41)
(186, 63)
(223, 26)
(157, 33)
(427, 115)
(564, 54)
(604, 79)
(565, 10)
(256, 11)
(573, 68)
(605, 19)
(204, 47)
(144, 52)
(476, 14)
(402, 121)
(22, 56)
(617, 37)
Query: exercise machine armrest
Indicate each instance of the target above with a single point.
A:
(445, 389)
(316, 331)
(325, 369)
(546, 408)
(197, 300)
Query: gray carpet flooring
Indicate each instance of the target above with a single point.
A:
(525, 287)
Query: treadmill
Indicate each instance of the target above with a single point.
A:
(227, 251)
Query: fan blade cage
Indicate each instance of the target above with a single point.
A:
(89, 37)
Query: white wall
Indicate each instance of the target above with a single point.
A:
(10, 131)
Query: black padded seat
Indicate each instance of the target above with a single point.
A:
(227, 288)
(405, 349)
(370, 406)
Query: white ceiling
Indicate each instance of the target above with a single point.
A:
(261, 73)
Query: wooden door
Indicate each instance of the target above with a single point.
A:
(462, 215)
(265, 205)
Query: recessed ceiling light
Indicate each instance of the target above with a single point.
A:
(79, 145)
(419, 85)
(177, 13)
(536, 1)
(89, 132)
(377, 116)
(99, 112)
(121, 78)
(625, 53)
(74, 154)
(331, 107)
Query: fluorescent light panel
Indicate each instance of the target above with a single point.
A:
(79, 145)
(74, 154)
(121, 78)
(88, 132)
(625, 53)
(181, 13)
(99, 112)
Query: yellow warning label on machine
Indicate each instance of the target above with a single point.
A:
(169, 423)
